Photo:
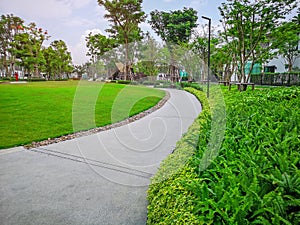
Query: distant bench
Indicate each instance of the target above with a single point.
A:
(241, 86)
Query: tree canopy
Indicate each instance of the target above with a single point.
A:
(124, 17)
(99, 44)
(58, 59)
(22, 45)
(249, 29)
(10, 26)
(174, 27)
(288, 38)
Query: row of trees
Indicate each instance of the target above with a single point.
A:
(175, 28)
(22, 46)
(257, 31)
(253, 32)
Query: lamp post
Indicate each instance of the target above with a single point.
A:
(208, 59)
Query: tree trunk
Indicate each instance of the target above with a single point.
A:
(36, 71)
(171, 67)
(5, 65)
(290, 64)
(251, 68)
(126, 59)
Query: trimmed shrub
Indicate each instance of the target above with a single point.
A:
(148, 82)
(36, 79)
(123, 81)
(192, 85)
(169, 202)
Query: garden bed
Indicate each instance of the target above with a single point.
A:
(255, 179)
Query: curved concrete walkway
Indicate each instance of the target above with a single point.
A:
(97, 179)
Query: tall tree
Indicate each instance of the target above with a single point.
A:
(223, 62)
(288, 34)
(249, 29)
(63, 56)
(174, 28)
(58, 59)
(50, 61)
(199, 45)
(99, 44)
(124, 17)
(10, 26)
(148, 56)
(28, 48)
(80, 70)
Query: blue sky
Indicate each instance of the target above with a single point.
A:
(72, 20)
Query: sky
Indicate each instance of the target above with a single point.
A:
(72, 20)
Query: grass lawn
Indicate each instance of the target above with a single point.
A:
(40, 110)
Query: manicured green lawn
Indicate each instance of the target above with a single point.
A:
(37, 111)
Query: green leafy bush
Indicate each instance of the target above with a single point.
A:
(6, 78)
(175, 170)
(61, 79)
(123, 81)
(256, 177)
(162, 82)
(36, 79)
(148, 82)
(193, 85)
(134, 83)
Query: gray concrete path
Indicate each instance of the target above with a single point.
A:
(96, 179)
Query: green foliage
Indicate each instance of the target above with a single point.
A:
(256, 177)
(192, 85)
(149, 57)
(23, 46)
(250, 30)
(10, 26)
(146, 67)
(169, 202)
(28, 48)
(58, 60)
(149, 82)
(36, 79)
(288, 37)
(174, 27)
(98, 44)
(124, 18)
(123, 81)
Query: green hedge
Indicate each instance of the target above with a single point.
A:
(168, 200)
(123, 81)
(256, 177)
(193, 85)
(148, 82)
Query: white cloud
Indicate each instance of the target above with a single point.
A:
(100, 11)
(79, 50)
(76, 3)
(145, 26)
(196, 4)
(43, 8)
(73, 22)
(32, 8)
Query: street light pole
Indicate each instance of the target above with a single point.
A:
(208, 60)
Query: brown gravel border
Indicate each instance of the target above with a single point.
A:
(99, 129)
